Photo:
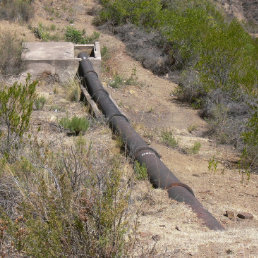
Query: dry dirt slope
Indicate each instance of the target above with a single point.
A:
(246, 10)
(167, 228)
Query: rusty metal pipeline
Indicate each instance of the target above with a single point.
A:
(160, 176)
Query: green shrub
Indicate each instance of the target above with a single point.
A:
(10, 52)
(132, 78)
(39, 103)
(20, 10)
(219, 56)
(168, 139)
(66, 204)
(93, 37)
(16, 104)
(78, 36)
(117, 81)
(140, 12)
(74, 35)
(43, 32)
(213, 164)
(191, 128)
(195, 148)
(140, 171)
(76, 125)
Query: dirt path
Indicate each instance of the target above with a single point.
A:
(167, 228)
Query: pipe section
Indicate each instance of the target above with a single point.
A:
(159, 175)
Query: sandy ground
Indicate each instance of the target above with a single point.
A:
(165, 228)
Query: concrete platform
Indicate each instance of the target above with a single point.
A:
(58, 58)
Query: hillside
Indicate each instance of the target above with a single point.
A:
(242, 9)
(46, 211)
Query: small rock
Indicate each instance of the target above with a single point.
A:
(52, 118)
(245, 215)
(156, 238)
(230, 214)
(132, 92)
(196, 175)
(177, 228)
(229, 251)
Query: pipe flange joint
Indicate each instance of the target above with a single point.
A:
(146, 149)
(90, 71)
(115, 115)
(96, 91)
(188, 188)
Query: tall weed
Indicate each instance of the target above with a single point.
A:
(10, 53)
(16, 10)
(68, 205)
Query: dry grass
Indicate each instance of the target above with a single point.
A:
(72, 206)
(73, 89)
(16, 10)
(10, 52)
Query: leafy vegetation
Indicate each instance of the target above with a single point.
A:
(76, 125)
(119, 81)
(78, 36)
(57, 202)
(63, 205)
(140, 171)
(213, 164)
(217, 57)
(169, 139)
(16, 104)
(46, 33)
(39, 103)
(195, 148)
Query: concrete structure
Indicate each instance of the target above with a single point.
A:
(58, 58)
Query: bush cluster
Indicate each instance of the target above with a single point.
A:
(39, 103)
(76, 125)
(218, 57)
(16, 104)
(79, 36)
(45, 33)
(57, 203)
(62, 204)
(168, 139)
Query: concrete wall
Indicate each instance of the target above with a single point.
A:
(57, 58)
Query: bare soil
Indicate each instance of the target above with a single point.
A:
(244, 10)
(165, 228)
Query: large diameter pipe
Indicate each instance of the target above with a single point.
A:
(158, 173)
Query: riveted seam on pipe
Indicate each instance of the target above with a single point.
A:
(147, 149)
(182, 185)
(91, 71)
(98, 90)
(116, 115)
